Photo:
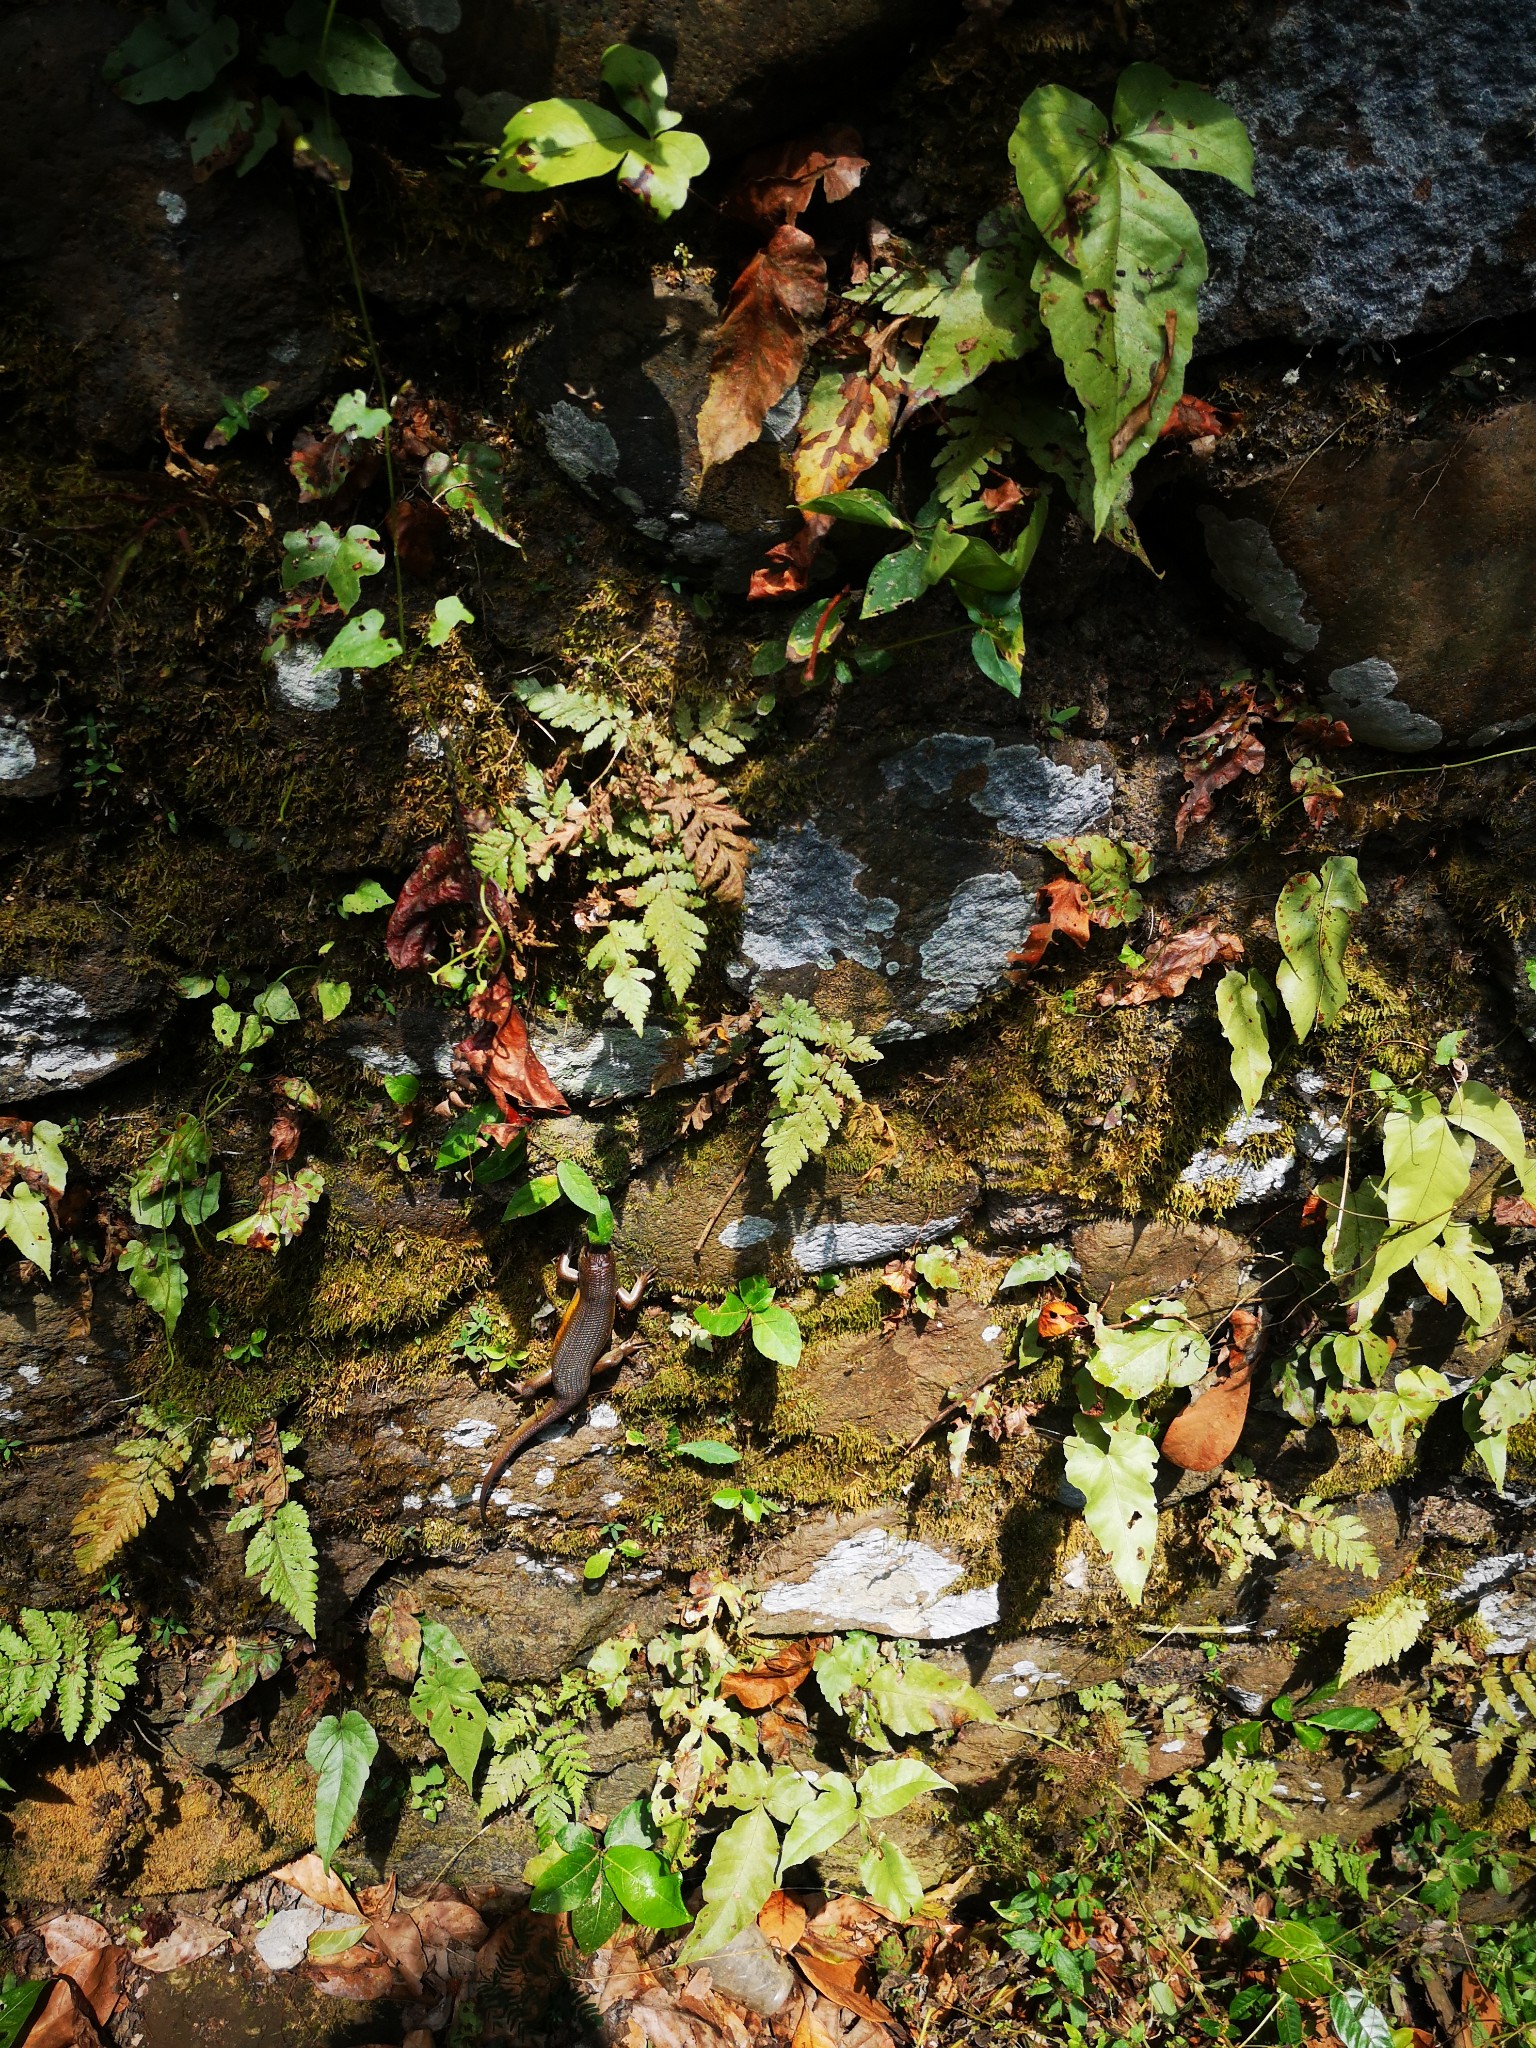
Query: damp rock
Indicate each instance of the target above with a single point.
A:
(66, 1031)
(861, 1573)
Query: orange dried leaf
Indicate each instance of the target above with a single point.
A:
(1058, 1318)
(319, 1885)
(1170, 967)
(1191, 419)
(499, 1055)
(778, 183)
(765, 1684)
(1068, 910)
(761, 343)
(837, 1978)
(782, 1920)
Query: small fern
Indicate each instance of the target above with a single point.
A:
(598, 720)
(53, 1658)
(714, 730)
(626, 984)
(539, 1759)
(807, 1057)
(1511, 1725)
(667, 895)
(281, 1555)
(1382, 1637)
(1247, 1516)
(125, 1491)
(1233, 1801)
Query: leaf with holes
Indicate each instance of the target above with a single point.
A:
(1243, 1004)
(361, 643)
(1112, 1466)
(761, 342)
(1312, 919)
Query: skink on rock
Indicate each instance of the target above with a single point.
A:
(581, 1342)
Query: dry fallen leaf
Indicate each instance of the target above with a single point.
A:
(499, 1055)
(1058, 1318)
(778, 183)
(447, 1922)
(837, 1976)
(319, 1885)
(1068, 910)
(442, 880)
(82, 1950)
(767, 1683)
(1170, 966)
(187, 1941)
(1192, 419)
(761, 342)
(64, 2020)
(782, 1920)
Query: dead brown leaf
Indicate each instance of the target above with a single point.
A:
(1170, 967)
(82, 1950)
(782, 1920)
(837, 1977)
(398, 1940)
(1195, 419)
(366, 1979)
(782, 1674)
(786, 570)
(418, 528)
(499, 1055)
(1068, 910)
(713, 834)
(1058, 1318)
(64, 2020)
(443, 880)
(776, 184)
(398, 1629)
(761, 342)
(1513, 1212)
(187, 1941)
(446, 1923)
(320, 1886)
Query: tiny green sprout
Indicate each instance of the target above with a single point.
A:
(614, 1541)
(163, 1631)
(775, 1333)
(1530, 976)
(747, 1502)
(1448, 1047)
(402, 1089)
(249, 1352)
(1068, 1002)
(236, 417)
(111, 1589)
(476, 1342)
(1056, 722)
(9, 1446)
(1129, 957)
(429, 1793)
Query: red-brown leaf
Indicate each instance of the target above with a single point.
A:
(1058, 1318)
(82, 1950)
(1513, 1212)
(1243, 756)
(1068, 910)
(285, 1136)
(1170, 966)
(498, 1054)
(443, 880)
(64, 2020)
(1193, 418)
(767, 1683)
(786, 571)
(778, 183)
(761, 343)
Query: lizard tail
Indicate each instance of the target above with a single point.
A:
(514, 1443)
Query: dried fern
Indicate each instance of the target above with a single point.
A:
(713, 835)
(125, 1491)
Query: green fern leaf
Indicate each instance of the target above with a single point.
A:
(626, 984)
(282, 1555)
(125, 1491)
(1382, 1637)
(74, 1673)
(114, 1667)
(35, 1671)
(599, 720)
(673, 928)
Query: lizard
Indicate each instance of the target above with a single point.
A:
(581, 1348)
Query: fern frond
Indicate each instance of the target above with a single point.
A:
(806, 1057)
(626, 984)
(74, 1672)
(1382, 1637)
(670, 902)
(114, 1667)
(125, 1491)
(713, 835)
(714, 729)
(282, 1555)
(599, 720)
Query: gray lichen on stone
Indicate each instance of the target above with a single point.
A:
(18, 756)
(1364, 696)
(828, 1246)
(50, 1037)
(804, 907)
(963, 958)
(1029, 795)
(880, 1581)
(1247, 566)
(613, 1064)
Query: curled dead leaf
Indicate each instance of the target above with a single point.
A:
(782, 1920)
(761, 342)
(1068, 910)
(442, 880)
(82, 1950)
(778, 183)
(498, 1054)
(782, 1674)
(1170, 967)
(1195, 419)
(1058, 1318)
(322, 1887)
